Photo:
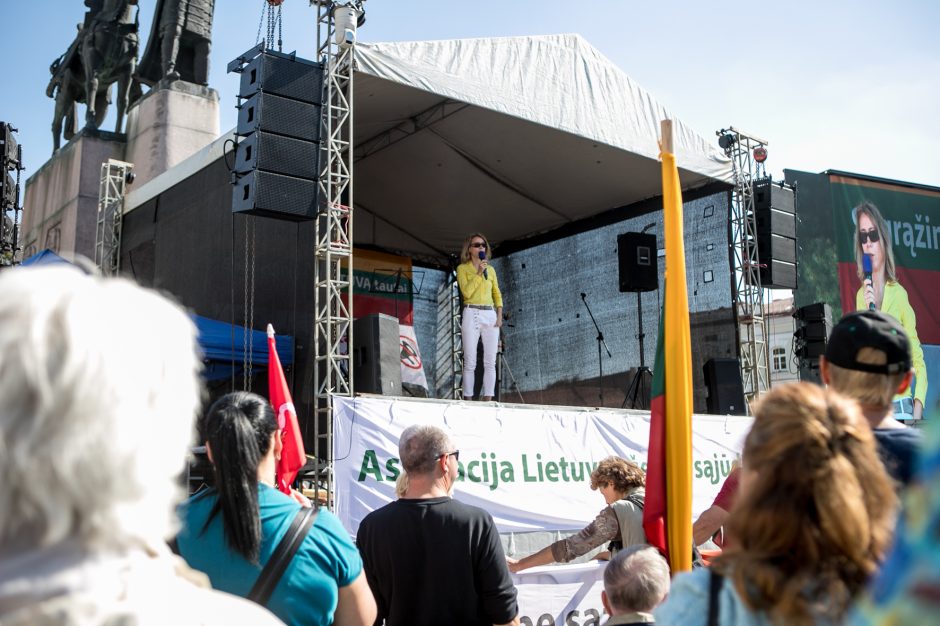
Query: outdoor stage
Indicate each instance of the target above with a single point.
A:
(528, 466)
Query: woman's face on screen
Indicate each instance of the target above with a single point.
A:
(871, 241)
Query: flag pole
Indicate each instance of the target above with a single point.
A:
(665, 129)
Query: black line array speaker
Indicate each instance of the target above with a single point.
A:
(725, 390)
(277, 158)
(7, 191)
(812, 335)
(637, 262)
(774, 212)
(376, 355)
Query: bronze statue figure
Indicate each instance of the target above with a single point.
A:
(109, 55)
(179, 43)
(111, 39)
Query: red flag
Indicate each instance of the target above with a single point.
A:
(293, 456)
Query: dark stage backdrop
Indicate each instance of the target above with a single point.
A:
(549, 339)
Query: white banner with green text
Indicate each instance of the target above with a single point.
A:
(528, 466)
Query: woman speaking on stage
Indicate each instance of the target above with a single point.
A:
(882, 290)
(482, 313)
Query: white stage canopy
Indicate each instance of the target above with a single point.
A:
(513, 136)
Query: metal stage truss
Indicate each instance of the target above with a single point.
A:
(333, 310)
(115, 176)
(748, 293)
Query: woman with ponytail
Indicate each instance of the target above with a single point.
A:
(232, 530)
(812, 520)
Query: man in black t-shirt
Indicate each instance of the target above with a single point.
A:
(430, 559)
(868, 358)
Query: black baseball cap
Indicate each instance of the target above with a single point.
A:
(869, 329)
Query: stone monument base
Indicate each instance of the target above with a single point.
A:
(169, 124)
(60, 202)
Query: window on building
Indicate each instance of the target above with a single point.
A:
(780, 358)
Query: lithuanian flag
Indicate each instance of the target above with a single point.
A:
(667, 512)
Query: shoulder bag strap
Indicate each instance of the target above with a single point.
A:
(274, 568)
(714, 588)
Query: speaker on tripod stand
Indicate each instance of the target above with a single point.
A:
(639, 272)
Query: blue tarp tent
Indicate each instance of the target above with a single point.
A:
(223, 346)
(45, 257)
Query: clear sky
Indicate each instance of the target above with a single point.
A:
(829, 84)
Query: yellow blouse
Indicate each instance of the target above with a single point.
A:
(897, 305)
(478, 290)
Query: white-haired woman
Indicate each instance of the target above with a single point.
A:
(98, 390)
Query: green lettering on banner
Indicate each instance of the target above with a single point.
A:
(526, 477)
(370, 465)
(392, 466)
(471, 476)
(593, 615)
(551, 471)
(507, 474)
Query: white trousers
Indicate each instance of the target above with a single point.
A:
(479, 323)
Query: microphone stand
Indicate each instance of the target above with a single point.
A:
(600, 359)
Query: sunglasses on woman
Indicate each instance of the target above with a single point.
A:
(864, 236)
(478, 245)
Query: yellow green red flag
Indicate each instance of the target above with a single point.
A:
(667, 512)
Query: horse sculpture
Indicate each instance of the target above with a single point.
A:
(104, 52)
(109, 55)
(67, 88)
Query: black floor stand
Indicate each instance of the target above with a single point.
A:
(639, 390)
(638, 393)
(600, 356)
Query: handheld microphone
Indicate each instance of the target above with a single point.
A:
(866, 268)
(483, 258)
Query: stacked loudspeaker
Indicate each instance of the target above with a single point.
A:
(814, 323)
(775, 213)
(11, 164)
(725, 390)
(376, 355)
(277, 158)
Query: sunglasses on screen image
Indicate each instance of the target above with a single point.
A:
(864, 236)
(478, 245)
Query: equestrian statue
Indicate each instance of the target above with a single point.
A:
(103, 52)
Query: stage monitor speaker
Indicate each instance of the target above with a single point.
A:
(725, 390)
(376, 355)
(637, 261)
(278, 154)
(282, 75)
(768, 196)
(274, 195)
(281, 116)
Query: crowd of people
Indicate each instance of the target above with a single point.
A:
(97, 417)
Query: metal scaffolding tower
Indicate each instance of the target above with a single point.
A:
(748, 293)
(115, 176)
(333, 313)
